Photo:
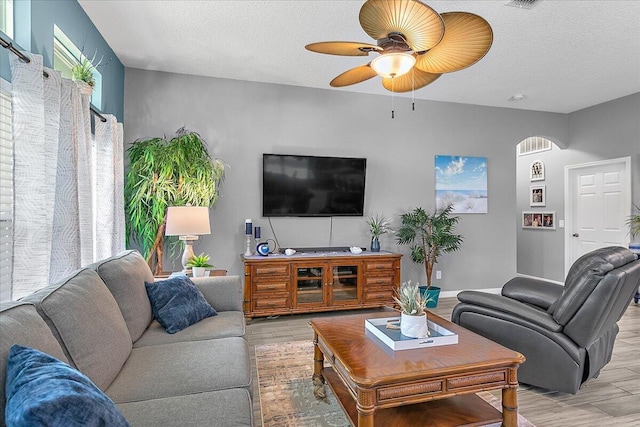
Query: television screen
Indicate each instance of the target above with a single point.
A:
(312, 186)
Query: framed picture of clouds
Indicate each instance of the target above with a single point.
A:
(461, 182)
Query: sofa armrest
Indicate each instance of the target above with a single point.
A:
(224, 293)
(532, 291)
(501, 304)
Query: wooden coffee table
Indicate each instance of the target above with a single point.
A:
(433, 386)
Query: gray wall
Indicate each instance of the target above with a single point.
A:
(242, 120)
(606, 131)
(34, 33)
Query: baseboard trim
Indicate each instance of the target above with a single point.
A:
(540, 278)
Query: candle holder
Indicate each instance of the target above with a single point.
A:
(248, 251)
(248, 232)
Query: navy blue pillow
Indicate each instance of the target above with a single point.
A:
(43, 391)
(177, 303)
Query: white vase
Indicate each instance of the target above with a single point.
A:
(198, 271)
(414, 326)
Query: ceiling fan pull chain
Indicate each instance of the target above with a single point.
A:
(393, 113)
(413, 89)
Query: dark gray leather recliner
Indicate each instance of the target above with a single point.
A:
(565, 332)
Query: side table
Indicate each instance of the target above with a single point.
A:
(214, 272)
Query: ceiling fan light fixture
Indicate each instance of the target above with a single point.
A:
(393, 64)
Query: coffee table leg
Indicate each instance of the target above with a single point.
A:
(510, 407)
(318, 364)
(365, 417)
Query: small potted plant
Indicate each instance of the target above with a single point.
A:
(199, 264)
(413, 318)
(430, 235)
(378, 225)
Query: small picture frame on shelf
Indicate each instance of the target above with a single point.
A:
(537, 195)
(539, 220)
(537, 171)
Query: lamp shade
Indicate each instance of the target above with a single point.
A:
(187, 221)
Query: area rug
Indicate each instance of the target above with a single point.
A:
(286, 390)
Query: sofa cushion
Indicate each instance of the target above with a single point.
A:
(125, 275)
(85, 318)
(225, 324)
(177, 303)
(214, 408)
(169, 370)
(43, 391)
(20, 323)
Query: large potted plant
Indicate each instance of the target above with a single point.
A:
(430, 236)
(634, 228)
(165, 173)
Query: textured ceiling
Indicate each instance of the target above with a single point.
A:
(563, 55)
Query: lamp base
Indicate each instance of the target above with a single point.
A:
(187, 254)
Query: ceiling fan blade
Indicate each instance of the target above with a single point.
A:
(467, 38)
(343, 48)
(353, 76)
(421, 26)
(414, 79)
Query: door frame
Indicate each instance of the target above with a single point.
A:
(569, 190)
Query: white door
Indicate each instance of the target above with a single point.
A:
(598, 203)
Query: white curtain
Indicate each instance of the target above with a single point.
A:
(110, 228)
(55, 215)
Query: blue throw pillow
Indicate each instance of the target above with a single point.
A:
(43, 391)
(177, 303)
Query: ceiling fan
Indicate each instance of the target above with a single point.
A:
(416, 44)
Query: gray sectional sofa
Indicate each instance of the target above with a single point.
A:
(99, 320)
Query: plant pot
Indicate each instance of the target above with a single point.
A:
(432, 294)
(375, 244)
(414, 326)
(199, 271)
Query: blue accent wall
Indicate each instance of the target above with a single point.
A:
(69, 16)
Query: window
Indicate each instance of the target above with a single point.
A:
(6, 17)
(534, 144)
(6, 192)
(66, 55)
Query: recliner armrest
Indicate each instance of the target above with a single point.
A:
(507, 305)
(532, 291)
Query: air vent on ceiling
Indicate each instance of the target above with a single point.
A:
(523, 4)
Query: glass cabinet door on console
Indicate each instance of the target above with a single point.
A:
(310, 281)
(344, 284)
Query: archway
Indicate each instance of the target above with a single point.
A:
(540, 208)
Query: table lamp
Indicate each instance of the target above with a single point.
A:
(188, 222)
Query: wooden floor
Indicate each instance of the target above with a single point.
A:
(611, 400)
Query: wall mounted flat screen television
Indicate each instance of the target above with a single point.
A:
(295, 185)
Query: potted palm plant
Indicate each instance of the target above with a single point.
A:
(199, 264)
(378, 225)
(413, 317)
(165, 173)
(634, 222)
(430, 236)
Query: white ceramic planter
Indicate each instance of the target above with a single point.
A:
(414, 326)
(199, 271)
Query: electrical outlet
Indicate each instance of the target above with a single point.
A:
(438, 274)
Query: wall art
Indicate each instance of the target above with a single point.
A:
(537, 171)
(537, 195)
(462, 182)
(539, 220)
